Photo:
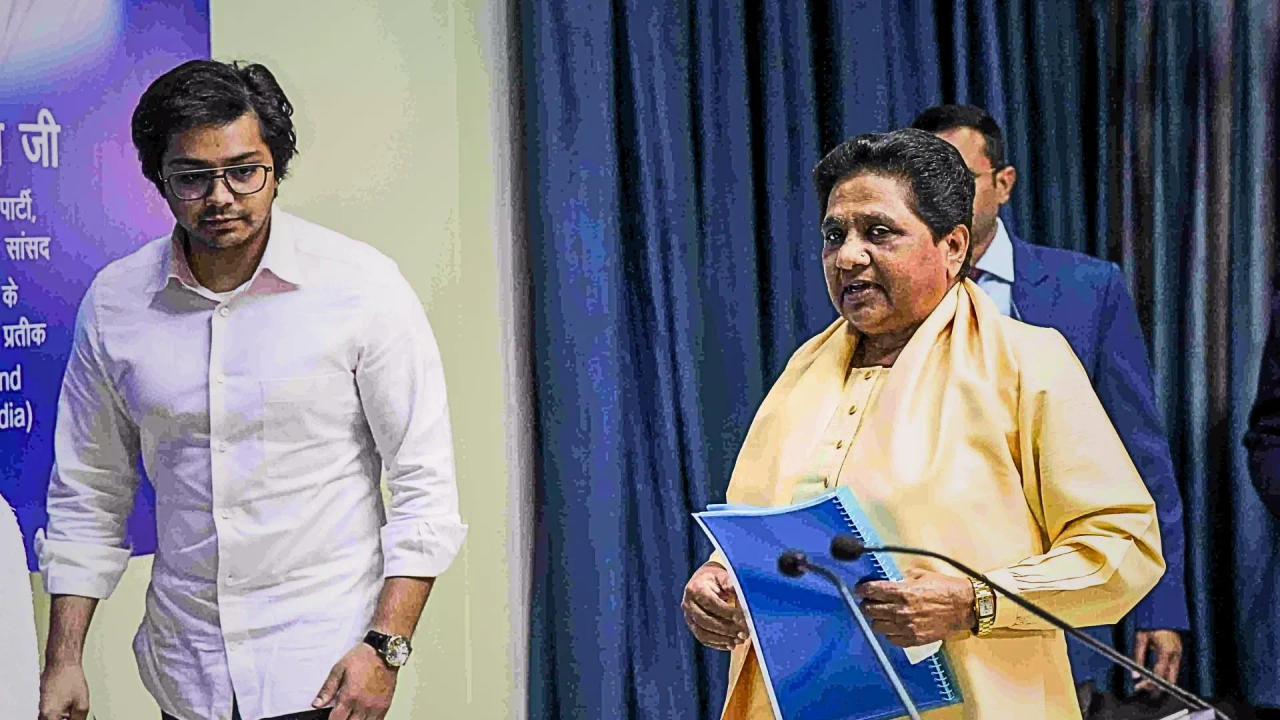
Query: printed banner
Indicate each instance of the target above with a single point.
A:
(72, 199)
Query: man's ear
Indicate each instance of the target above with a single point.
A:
(1005, 179)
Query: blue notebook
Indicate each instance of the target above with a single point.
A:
(816, 663)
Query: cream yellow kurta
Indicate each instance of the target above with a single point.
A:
(985, 441)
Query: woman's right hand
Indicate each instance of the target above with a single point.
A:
(711, 609)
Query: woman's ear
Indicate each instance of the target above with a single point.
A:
(956, 246)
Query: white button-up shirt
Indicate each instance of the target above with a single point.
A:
(264, 420)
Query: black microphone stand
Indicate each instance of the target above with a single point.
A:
(794, 563)
(847, 548)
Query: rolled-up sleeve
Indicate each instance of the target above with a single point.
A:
(82, 550)
(1097, 518)
(402, 391)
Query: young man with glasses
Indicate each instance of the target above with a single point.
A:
(267, 371)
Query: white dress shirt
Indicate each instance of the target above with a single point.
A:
(264, 420)
(19, 654)
(997, 275)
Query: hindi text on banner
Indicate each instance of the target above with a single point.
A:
(17, 208)
(24, 333)
(27, 248)
(9, 293)
(40, 139)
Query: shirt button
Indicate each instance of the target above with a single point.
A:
(839, 444)
(220, 446)
(826, 482)
(853, 409)
(224, 311)
(219, 378)
(224, 513)
(867, 375)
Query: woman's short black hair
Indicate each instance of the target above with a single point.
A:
(939, 183)
(199, 93)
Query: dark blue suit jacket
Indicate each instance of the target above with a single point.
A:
(1087, 300)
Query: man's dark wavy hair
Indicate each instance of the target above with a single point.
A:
(199, 93)
(940, 186)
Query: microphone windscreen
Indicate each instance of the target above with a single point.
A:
(792, 563)
(847, 548)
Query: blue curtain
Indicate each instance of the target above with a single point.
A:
(675, 266)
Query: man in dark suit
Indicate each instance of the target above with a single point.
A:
(1263, 439)
(1085, 299)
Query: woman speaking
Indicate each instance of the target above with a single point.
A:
(959, 430)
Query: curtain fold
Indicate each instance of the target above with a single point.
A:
(676, 265)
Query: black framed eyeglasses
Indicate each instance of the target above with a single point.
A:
(197, 184)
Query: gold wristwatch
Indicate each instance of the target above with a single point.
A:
(984, 608)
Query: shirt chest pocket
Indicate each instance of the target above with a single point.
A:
(311, 423)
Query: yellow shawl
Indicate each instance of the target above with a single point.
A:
(987, 443)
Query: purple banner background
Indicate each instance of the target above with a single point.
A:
(87, 63)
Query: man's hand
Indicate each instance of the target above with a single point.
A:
(63, 692)
(361, 684)
(711, 610)
(924, 607)
(1160, 650)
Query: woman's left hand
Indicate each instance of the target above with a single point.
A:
(924, 607)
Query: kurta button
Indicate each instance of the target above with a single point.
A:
(853, 409)
(839, 444)
(867, 375)
(224, 311)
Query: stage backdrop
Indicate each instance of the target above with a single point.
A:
(72, 198)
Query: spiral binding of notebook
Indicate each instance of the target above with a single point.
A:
(860, 526)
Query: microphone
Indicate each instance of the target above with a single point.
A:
(794, 563)
(847, 548)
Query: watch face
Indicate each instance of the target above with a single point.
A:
(396, 651)
(986, 607)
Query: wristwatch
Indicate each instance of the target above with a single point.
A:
(984, 608)
(393, 649)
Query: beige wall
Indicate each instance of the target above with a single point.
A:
(397, 107)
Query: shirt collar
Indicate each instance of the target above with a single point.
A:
(279, 259)
(281, 255)
(997, 261)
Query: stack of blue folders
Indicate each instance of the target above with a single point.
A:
(816, 662)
